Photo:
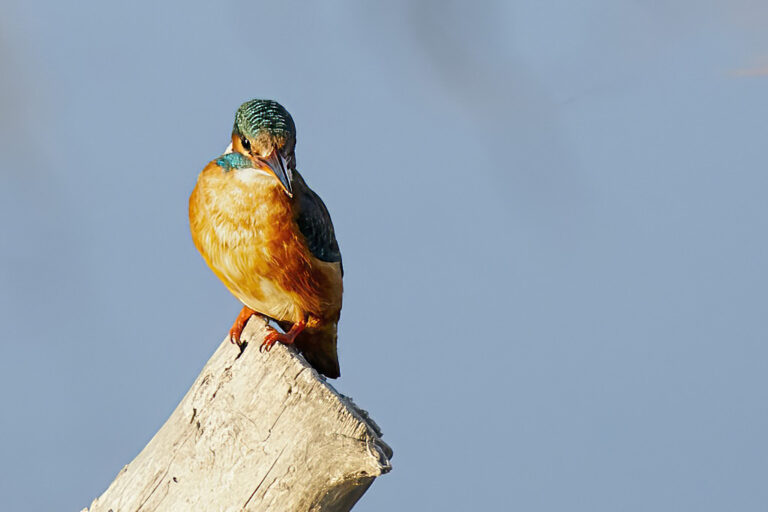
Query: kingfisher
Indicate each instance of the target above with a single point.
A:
(269, 237)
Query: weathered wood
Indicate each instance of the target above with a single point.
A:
(257, 432)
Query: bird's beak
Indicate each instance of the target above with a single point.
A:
(276, 164)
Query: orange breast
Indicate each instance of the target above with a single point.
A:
(243, 225)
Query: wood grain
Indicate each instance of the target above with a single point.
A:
(255, 432)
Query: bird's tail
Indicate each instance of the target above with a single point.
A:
(318, 346)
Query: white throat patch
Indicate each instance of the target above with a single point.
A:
(251, 175)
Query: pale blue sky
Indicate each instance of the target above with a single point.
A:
(552, 214)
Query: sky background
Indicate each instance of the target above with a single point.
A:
(553, 219)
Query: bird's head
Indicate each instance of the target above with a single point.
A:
(264, 132)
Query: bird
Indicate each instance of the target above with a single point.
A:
(269, 237)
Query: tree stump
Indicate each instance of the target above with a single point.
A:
(257, 431)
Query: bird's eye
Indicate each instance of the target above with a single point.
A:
(246, 143)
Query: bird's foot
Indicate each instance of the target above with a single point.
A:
(237, 328)
(288, 338)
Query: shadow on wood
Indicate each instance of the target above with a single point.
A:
(257, 432)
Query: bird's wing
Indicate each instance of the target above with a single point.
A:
(315, 224)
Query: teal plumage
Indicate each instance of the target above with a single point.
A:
(256, 117)
(233, 161)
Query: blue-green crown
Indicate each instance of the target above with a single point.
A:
(264, 116)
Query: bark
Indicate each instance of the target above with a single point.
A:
(257, 432)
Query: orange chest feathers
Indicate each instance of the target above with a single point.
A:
(243, 225)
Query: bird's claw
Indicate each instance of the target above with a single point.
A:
(237, 328)
(288, 338)
(234, 335)
(269, 340)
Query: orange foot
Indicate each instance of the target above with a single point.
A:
(237, 328)
(286, 339)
